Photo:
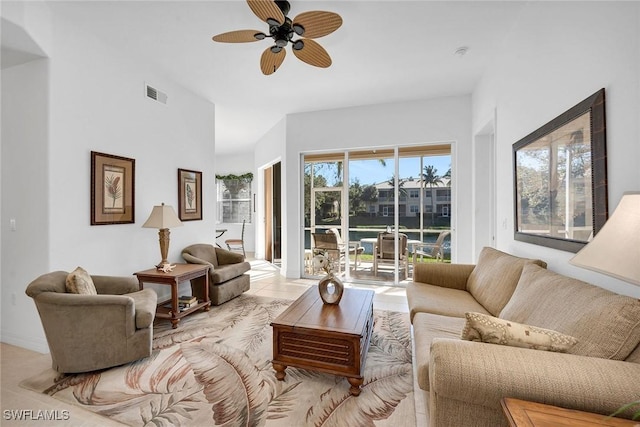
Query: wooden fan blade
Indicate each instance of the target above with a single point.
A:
(266, 9)
(270, 62)
(318, 23)
(240, 36)
(313, 54)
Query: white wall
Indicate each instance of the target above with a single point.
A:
(25, 173)
(419, 122)
(238, 164)
(558, 54)
(95, 102)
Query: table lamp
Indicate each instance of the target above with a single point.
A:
(163, 217)
(615, 250)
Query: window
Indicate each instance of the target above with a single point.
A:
(234, 198)
(414, 194)
(414, 209)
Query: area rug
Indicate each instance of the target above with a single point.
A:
(215, 369)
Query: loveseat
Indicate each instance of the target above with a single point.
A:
(466, 379)
(227, 272)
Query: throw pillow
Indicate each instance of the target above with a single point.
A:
(489, 329)
(80, 282)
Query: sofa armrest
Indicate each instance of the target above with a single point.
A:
(444, 275)
(226, 257)
(481, 374)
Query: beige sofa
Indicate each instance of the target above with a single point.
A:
(466, 379)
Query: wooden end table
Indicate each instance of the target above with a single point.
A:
(522, 413)
(181, 273)
(331, 338)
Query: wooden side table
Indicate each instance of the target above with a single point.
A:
(522, 413)
(181, 273)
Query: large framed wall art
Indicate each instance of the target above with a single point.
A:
(560, 173)
(112, 189)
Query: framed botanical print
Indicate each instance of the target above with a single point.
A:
(112, 189)
(189, 195)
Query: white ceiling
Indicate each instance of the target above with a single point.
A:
(385, 51)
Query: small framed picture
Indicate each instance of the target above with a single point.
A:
(189, 195)
(112, 189)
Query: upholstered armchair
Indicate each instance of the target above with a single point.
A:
(90, 332)
(227, 278)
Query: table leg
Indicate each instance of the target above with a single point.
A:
(206, 290)
(280, 373)
(355, 385)
(174, 305)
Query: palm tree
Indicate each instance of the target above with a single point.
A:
(431, 178)
(401, 181)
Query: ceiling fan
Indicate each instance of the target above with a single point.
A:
(307, 25)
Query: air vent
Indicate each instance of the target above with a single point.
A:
(156, 95)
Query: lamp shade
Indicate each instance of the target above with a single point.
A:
(162, 216)
(615, 250)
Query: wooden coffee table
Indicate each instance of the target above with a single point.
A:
(324, 337)
(522, 413)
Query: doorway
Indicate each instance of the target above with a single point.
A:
(273, 214)
(484, 190)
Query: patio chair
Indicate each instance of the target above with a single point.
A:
(431, 250)
(384, 252)
(353, 247)
(237, 245)
(328, 243)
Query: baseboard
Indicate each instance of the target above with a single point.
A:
(38, 345)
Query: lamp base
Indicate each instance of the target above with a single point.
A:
(163, 238)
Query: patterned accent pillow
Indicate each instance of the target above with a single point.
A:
(80, 282)
(489, 329)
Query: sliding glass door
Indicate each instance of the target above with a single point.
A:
(396, 204)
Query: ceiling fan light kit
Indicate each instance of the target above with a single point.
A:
(282, 29)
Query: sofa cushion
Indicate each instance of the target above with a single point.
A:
(426, 327)
(484, 328)
(228, 272)
(80, 282)
(634, 356)
(495, 277)
(606, 324)
(424, 298)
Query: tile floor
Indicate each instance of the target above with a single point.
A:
(17, 363)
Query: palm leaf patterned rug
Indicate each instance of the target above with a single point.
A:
(215, 369)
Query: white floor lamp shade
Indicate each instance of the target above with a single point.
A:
(615, 250)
